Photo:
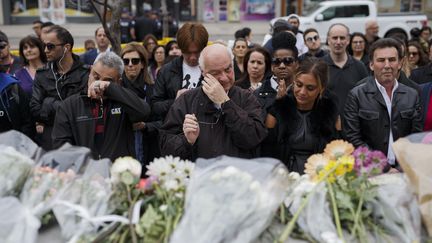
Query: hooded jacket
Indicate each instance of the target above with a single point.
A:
(14, 110)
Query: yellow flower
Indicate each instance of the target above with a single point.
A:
(315, 164)
(330, 166)
(338, 148)
(346, 164)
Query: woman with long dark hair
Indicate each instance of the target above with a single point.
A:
(239, 50)
(31, 50)
(305, 118)
(358, 48)
(257, 68)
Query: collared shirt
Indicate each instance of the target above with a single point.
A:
(388, 101)
(274, 83)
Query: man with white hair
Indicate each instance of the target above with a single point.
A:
(101, 117)
(215, 119)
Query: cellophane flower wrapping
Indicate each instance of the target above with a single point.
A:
(14, 169)
(36, 200)
(231, 199)
(316, 218)
(396, 208)
(414, 154)
(79, 205)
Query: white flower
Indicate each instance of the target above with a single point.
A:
(124, 164)
(158, 168)
(171, 185)
(163, 208)
(294, 176)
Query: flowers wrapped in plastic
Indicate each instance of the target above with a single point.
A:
(148, 209)
(231, 199)
(347, 204)
(81, 207)
(414, 154)
(36, 200)
(14, 169)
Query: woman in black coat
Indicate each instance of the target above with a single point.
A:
(137, 78)
(304, 120)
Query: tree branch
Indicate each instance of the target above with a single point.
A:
(100, 3)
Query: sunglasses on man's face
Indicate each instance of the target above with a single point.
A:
(135, 61)
(313, 38)
(51, 46)
(2, 46)
(286, 61)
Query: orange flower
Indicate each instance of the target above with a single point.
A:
(314, 164)
(338, 148)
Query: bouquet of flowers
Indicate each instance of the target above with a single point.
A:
(345, 201)
(35, 201)
(14, 169)
(82, 207)
(231, 200)
(160, 197)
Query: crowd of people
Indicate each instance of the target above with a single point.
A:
(285, 99)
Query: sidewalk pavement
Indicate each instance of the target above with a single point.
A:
(82, 32)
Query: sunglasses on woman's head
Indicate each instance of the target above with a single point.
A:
(135, 61)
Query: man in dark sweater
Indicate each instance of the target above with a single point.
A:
(345, 71)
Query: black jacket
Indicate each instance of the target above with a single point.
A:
(235, 130)
(152, 123)
(46, 97)
(168, 82)
(322, 121)
(75, 124)
(266, 96)
(423, 74)
(366, 121)
(14, 110)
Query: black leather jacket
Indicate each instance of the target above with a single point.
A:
(45, 97)
(168, 82)
(366, 121)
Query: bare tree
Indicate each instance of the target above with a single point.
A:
(165, 24)
(112, 29)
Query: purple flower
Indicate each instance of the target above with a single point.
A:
(361, 155)
(369, 162)
(378, 159)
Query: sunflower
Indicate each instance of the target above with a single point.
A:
(338, 148)
(314, 164)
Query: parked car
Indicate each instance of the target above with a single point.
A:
(354, 14)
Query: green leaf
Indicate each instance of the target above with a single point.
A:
(344, 200)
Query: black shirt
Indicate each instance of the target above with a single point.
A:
(342, 80)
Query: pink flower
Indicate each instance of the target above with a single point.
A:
(369, 162)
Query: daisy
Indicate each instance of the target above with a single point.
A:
(314, 164)
(338, 148)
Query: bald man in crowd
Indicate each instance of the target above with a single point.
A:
(215, 119)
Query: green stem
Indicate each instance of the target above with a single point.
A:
(130, 212)
(123, 236)
(282, 213)
(289, 228)
(357, 216)
(335, 211)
